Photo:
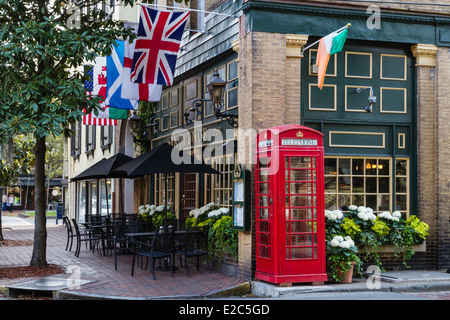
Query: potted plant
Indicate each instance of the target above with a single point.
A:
(342, 259)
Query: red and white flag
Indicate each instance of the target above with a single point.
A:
(97, 85)
(157, 44)
(136, 91)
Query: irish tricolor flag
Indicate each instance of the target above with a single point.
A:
(329, 45)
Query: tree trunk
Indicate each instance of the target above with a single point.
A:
(38, 258)
(1, 231)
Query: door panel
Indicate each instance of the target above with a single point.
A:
(299, 243)
(264, 216)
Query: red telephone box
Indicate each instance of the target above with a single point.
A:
(290, 213)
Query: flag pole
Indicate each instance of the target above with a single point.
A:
(149, 5)
(312, 44)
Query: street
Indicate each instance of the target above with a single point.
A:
(370, 295)
(15, 221)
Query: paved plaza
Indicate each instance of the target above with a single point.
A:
(105, 281)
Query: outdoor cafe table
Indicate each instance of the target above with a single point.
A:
(139, 235)
(151, 234)
(99, 229)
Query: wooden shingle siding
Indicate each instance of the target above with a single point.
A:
(197, 49)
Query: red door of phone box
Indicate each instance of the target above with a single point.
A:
(290, 214)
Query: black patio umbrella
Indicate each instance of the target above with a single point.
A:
(104, 169)
(159, 160)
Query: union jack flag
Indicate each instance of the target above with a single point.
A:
(157, 44)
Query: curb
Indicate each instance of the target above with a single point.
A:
(266, 290)
(242, 289)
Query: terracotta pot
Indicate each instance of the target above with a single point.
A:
(348, 275)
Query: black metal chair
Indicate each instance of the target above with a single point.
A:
(117, 240)
(195, 245)
(160, 247)
(91, 236)
(70, 235)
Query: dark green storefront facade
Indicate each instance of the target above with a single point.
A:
(372, 159)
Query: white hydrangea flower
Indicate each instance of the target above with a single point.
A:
(349, 240)
(344, 244)
(352, 208)
(338, 214)
(371, 216)
(214, 213)
(333, 215)
(363, 216)
(334, 243)
(224, 210)
(385, 214)
(396, 214)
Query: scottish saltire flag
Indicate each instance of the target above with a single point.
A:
(114, 67)
(155, 53)
(96, 85)
(136, 91)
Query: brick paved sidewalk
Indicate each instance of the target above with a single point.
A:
(108, 282)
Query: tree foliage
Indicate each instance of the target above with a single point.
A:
(41, 66)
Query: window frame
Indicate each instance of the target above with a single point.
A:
(391, 174)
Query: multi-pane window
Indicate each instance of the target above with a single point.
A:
(90, 138)
(263, 221)
(75, 141)
(160, 189)
(106, 136)
(300, 207)
(402, 186)
(219, 188)
(367, 181)
(232, 85)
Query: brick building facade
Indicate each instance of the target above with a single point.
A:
(257, 48)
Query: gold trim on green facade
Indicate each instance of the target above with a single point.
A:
(324, 86)
(404, 66)
(347, 75)
(381, 134)
(404, 100)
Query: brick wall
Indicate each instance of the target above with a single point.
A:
(271, 97)
(442, 83)
(426, 160)
(433, 165)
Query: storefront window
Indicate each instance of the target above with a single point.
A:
(219, 188)
(93, 197)
(105, 196)
(160, 189)
(16, 194)
(81, 201)
(367, 182)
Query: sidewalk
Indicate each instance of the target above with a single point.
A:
(101, 281)
(392, 281)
